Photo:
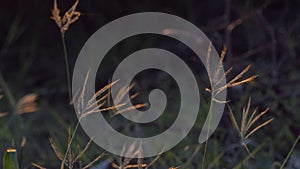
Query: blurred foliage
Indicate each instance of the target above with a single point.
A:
(262, 33)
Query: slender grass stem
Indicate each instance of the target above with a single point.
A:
(67, 64)
(208, 132)
(204, 155)
(69, 145)
(290, 152)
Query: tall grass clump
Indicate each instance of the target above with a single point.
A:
(246, 124)
(98, 103)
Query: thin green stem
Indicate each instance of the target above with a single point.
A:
(208, 132)
(67, 64)
(204, 155)
(69, 145)
(290, 152)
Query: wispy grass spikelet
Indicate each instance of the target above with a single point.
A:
(246, 128)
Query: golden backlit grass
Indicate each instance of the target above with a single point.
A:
(247, 128)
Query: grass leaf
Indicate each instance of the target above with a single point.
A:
(10, 159)
(290, 152)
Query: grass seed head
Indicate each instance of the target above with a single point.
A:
(69, 17)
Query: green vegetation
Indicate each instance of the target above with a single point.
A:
(10, 159)
(260, 127)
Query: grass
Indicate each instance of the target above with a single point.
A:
(257, 131)
(217, 89)
(63, 23)
(69, 159)
(10, 159)
(246, 124)
(88, 107)
(290, 152)
(96, 107)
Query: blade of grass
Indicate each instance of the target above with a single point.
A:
(94, 161)
(258, 127)
(10, 159)
(37, 166)
(257, 117)
(69, 146)
(67, 65)
(188, 162)
(239, 166)
(290, 152)
(232, 119)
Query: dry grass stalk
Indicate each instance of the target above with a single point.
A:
(83, 150)
(3, 114)
(246, 128)
(154, 160)
(23, 142)
(96, 104)
(133, 152)
(27, 104)
(63, 23)
(174, 167)
(119, 100)
(218, 77)
(86, 107)
(236, 80)
(37, 166)
(94, 161)
(71, 158)
(69, 17)
(114, 165)
(92, 105)
(137, 106)
(55, 149)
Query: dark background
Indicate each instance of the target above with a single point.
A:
(264, 34)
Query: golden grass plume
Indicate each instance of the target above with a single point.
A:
(69, 17)
(246, 128)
